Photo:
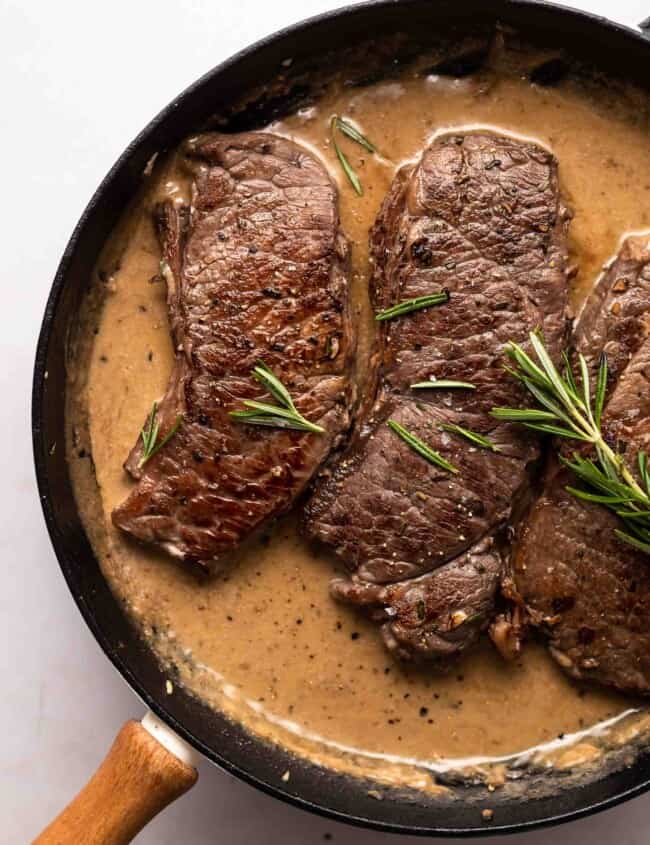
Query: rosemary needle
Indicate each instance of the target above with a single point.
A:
(353, 133)
(473, 436)
(421, 447)
(442, 384)
(406, 306)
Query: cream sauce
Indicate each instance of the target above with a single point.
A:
(263, 641)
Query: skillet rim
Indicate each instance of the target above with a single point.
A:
(43, 471)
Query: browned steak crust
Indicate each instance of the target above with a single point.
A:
(256, 270)
(479, 216)
(588, 591)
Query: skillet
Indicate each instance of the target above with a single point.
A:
(608, 47)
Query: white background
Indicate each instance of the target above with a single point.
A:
(78, 80)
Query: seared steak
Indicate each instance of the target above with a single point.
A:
(586, 589)
(437, 615)
(479, 216)
(256, 271)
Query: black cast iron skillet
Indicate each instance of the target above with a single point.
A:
(610, 48)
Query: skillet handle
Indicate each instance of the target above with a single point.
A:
(138, 778)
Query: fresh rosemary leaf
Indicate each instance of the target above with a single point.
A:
(639, 530)
(284, 415)
(149, 434)
(345, 164)
(272, 383)
(610, 467)
(282, 418)
(273, 421)
(538, 420)
(549, 369)
(632, 541)
(586, 386)
(266, 408)
(601, 388)
(596, 498)
(468, 434)
(406, 306)
(529, 370)
(442, 384)
(587, 471)
(522, 415)
(353, 133)
(421, 447)
(546, 400)
(644, 472)
(569, 378)
(551, 429)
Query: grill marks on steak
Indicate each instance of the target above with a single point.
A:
(588, 591)
(256, 270)
(481, 216)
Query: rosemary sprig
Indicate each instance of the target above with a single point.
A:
(468, 434)
(631, 540)
(567, 410)
(406, 306)
(338, 124)
(442, 384)
(421, 447)
(284, 415)
(149, 434)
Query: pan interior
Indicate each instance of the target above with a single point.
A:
(189, 629)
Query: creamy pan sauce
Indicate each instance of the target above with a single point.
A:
(263, 640)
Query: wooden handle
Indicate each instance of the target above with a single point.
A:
(137, 779)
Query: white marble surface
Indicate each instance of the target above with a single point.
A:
(78, 81)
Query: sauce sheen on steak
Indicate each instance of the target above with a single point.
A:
(587, 590)
(480, 216)
(256, 270)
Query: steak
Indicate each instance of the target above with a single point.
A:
(256, 270)
(481, 217)
(587, 590)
